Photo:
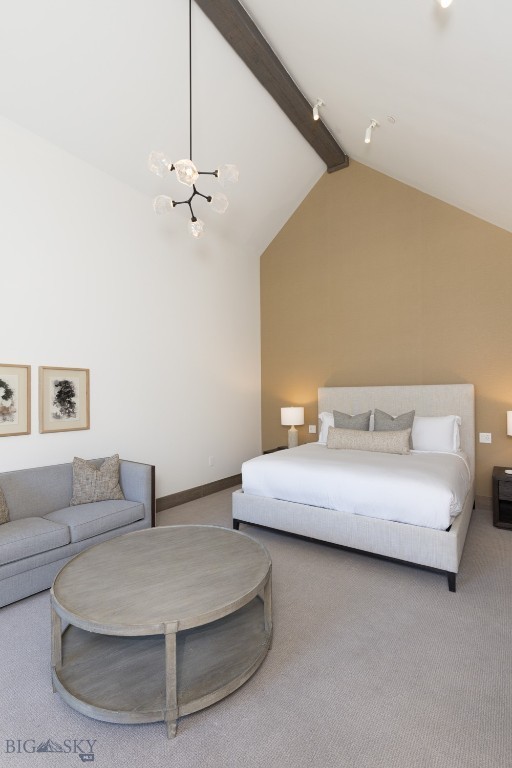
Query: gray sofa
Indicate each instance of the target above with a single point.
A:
(44, 531)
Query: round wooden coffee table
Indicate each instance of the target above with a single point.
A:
(160, 622)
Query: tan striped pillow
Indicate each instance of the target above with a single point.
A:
(357, 440)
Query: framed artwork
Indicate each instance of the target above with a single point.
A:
(14, 400)
(63, 399)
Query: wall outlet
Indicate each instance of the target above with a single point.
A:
(485, 437)
(312, 429)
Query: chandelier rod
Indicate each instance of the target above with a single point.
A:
(190, 72)
(186, 171)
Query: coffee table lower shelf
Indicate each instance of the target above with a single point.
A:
(122, 679)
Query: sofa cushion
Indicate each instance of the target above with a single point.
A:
(91, 483)
(4, 511)
(88, 520)
(30, 536)
(37, 491)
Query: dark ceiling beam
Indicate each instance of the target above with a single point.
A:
(240, 31)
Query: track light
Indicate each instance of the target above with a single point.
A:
(316, 114)
(368, 134)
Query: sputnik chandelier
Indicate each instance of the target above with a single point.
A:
(187, 173)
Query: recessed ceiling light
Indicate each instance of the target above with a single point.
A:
(444, 3)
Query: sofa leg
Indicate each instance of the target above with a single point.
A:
(236, 524)
(451, 581)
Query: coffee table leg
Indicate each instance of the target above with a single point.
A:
(267, 608)
(56, 644)
(171, 693)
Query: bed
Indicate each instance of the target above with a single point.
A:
(363, 524)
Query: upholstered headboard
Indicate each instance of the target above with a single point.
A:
(425, 399)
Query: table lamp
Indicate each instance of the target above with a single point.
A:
(292, 417)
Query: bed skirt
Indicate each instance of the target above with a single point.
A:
(440, 550)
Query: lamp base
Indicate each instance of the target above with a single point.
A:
(293, 438)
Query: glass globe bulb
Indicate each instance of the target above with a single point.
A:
(219, 202)
(163, 204)
(196, 227)
(186, 172)
(227, 173)
(159, 164)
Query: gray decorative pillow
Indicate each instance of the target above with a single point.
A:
(383, 422)
(357, 440)
(345, 421)
(4, 512)
(91, 484)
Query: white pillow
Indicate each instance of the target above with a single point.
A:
(326, 419)
(436, 433)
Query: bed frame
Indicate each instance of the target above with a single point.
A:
(440, 551)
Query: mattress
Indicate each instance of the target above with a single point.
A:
(423, 489)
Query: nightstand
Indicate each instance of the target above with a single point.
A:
(501, 498)
(273, 450)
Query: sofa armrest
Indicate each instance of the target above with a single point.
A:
(138, 484)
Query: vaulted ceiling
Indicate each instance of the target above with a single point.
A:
(108, 82)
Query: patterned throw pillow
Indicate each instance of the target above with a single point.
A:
(4, 512)
(91, 484)
(345, 421)
(357, 440)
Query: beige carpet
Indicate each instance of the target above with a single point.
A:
(373, 665)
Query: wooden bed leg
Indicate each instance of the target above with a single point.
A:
(236, 524)
(451, 581)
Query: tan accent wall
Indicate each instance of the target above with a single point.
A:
(372, 282)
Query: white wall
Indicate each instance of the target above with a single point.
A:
(169, 326)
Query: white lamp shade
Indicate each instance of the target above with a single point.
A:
(292, 417)
(509, 423)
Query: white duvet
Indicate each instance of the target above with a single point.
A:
(427, 489)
